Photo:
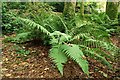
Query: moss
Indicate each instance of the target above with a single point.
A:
(112, 10)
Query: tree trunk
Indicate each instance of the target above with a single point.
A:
(112, 9)
(82, 8)
(119, 14)
(69, 9)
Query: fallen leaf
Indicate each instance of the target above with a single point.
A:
(8, 75)
(104, 74)
(4, 69)
(46, 69)
(41, 76)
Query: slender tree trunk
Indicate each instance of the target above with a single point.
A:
(112, 9)
(119, 14)
(82, 8)
(69, 9)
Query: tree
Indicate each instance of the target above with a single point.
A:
(82, 8)
(69, 9)
(80, 5)
(119, 14)
(112, 9)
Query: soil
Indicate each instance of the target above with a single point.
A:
(38, 65)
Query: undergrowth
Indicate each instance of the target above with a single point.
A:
(85, 39)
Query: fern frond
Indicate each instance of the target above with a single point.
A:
(76, 54)
(82, 36)
(98, 51)
(66, 29)
(50, 27)
(58, 57)
(22, 37)
(19, 38)
(92, 54)
(34, 25)
(61, 37)
(99, 44)
(102, 53)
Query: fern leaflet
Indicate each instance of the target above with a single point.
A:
(76, 54)
(58, 57)
(35, 25)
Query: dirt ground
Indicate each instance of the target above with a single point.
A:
(38, 65)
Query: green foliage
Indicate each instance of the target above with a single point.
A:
(59, 58)
(103, 20)
(24, 52)
(35, 26)
(92, 54)
(100, 18)
(12, 9)
(112, 10)
(89, 7)
(20, 50)
(59, 6)
(97, 54)
(9, 24)
(33, 30)
(76, 45)
(20, 38)
(75, 39)
(77, 55)
(16, 5)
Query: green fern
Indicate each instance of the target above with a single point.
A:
(85, 39)
(99, 44)
(100, 56)
(35, 25)
(76, 54)
(60, 37)
(19, 38)
(22, 37)
(58, 57)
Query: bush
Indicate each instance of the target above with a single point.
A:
(9, 24)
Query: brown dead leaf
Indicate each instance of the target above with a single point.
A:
(4, 69)
(23, 63)
(8, 75)
(46, 69)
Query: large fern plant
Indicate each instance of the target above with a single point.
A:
(85, 40)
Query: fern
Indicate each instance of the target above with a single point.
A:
(76, 54)
(35, 25)
(66, 29)
(75, 43)
(103, 53)
(100, 56)
(58, 57)
(92, 54)
(62, 37)
(20, 38)
(82, 36)
(98, 43)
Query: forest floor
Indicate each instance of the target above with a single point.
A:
(38, 65)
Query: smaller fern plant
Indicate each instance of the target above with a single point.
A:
(77, 47)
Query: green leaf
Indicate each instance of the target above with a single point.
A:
(35, 25)
(96, 56)
(76, 54)
(58, 57)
